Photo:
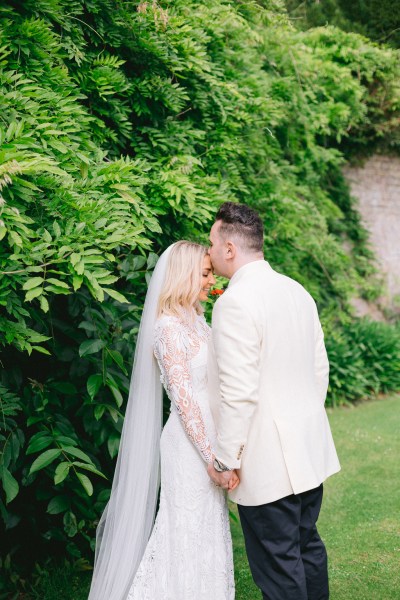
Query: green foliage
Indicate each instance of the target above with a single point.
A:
(123, 126)
(364, 358)
(376, 19)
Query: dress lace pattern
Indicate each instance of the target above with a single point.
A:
(175, 346)
(189, 554)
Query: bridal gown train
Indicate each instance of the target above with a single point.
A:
(189, 553)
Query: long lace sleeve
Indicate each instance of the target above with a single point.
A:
(171, 348)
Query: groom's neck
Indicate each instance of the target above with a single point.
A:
(242, 260)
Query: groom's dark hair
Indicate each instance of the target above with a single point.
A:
(241, 221)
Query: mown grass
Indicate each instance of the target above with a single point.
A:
(359, 521)
(360, 515)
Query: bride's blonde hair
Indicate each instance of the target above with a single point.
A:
(182, 285)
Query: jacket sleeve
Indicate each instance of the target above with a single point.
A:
(237, 349)
(321, 361)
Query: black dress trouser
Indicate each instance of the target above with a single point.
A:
(287, 557)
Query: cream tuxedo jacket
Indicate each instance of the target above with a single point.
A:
(268, 376)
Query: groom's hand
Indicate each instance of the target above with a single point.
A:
(234, 481)
(223, 479)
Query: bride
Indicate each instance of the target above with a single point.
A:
(188, 555)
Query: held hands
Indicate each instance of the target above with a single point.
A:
(234, 480)
(227, 480)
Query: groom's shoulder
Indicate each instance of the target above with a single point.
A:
(290, 287)
(265, 280)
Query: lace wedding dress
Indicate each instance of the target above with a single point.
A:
(189, 554)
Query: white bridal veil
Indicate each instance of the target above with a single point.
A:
(127, 521)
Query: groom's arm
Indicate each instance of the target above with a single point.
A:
(321, 360)
(237, 351)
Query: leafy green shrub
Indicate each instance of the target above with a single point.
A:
(377, 19)
(364, 360)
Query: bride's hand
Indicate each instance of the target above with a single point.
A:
(234, 481)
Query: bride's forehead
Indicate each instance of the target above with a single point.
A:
(207, 261)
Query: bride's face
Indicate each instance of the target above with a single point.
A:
(207, 278)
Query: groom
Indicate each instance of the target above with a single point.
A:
(269, 370)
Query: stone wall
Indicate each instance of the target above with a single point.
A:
(376, 185)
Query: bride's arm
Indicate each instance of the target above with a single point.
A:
(170, 351)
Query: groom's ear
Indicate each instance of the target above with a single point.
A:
(230, 250)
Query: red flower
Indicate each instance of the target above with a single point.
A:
(216, 292)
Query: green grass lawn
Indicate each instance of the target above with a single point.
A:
(359, 521)
(360, 517)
